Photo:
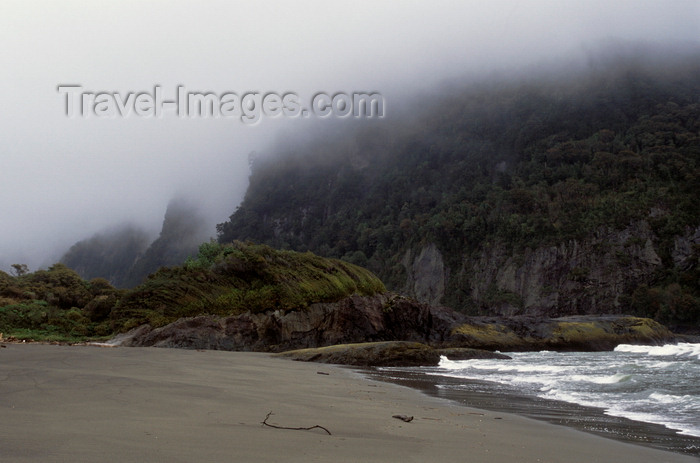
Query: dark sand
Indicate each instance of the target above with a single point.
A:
(474, 393)
(92, 404)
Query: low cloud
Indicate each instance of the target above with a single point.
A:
(64, 179)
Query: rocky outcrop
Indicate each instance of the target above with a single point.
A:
(354, 319)
(389, 317)
(370, 354)
(578, 333)
(388, 353)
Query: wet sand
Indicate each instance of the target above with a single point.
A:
(475, 393)
(85, 404)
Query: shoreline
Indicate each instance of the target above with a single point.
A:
(579, 417)
(86, 403)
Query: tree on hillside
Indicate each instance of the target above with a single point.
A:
(20, 269)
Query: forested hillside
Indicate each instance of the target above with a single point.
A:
(551, 195)
(124, 256)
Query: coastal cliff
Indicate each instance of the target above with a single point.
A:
(595, 275)
(536, 196)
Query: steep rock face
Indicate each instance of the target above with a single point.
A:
(426, 274)
(574, 277)
(184, 229)
(685, 248)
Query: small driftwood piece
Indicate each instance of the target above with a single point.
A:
(405, 418)
(265, 423)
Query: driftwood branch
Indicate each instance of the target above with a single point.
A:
(265, 423)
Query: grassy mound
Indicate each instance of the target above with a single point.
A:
(234, 278)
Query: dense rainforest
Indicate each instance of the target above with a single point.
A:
(560, 192)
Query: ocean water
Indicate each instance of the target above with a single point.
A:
(643, 394)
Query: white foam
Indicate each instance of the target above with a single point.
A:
(521, 368)
(686, 402)
(633, 348)
(573, 397)
(681, 349)
(110, 343)
(450, 364)
(499, 366)
(663, 398)
(644, 383)
(612, 379)
(681, 428)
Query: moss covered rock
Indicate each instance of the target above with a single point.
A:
(390, 353)
(575, 333)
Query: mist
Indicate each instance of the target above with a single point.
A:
(64, 179)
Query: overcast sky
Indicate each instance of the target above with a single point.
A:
(63, 179)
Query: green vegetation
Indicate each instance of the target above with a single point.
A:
(489, 336)
(573, 332)
(57, 305)
(233, 278)
(525, 163)
(495, 296)
(669, 302)
(577, 334)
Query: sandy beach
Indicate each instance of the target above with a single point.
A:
(89, 404)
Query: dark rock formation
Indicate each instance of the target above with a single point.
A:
(370, 354)
(576, 333)
(383, 317)
(389, 317)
